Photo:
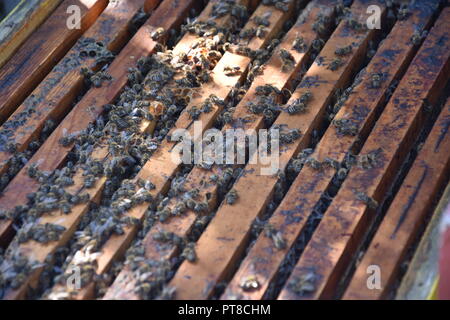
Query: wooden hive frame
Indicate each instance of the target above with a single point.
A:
(292, 234)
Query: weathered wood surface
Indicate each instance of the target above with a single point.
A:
(346, 220)
(31, 63)
(413, 202)
(125, 284)
(290, 218)
(224, 240)
(20, 23)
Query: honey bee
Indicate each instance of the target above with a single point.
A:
(343, 50)
(231, 197)
(290, 136)
(375, 80)
(249, 283)
(403, 12)
(345, 127)
(369, 201)
(299, 44)
(317, 44)
(156, 34)
(303, 284)
(276, 236)
(248, 33)
(335, 64)
(261, 32)
(189, 252)
(417, 37)
(320, 25)
(288, 61)
(232, 71)
(355, 24)
(263, 20)
(267, 89)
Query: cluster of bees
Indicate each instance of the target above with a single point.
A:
(129, 150)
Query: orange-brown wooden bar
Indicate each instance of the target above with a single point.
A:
(52, 154)
(48, 44)
(225, 238)
(120, 243)
(345, 222)
(124, 285)
(161, 167)
(264, 260)
(172, 17)
(54, 96)
(413, 202)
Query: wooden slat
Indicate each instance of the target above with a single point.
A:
(347, 219)
(52, 153)
(428, 175)
(101, 152)
(225, 238)
(41, 52)
(160, 167)
(54, 96)
(263, 261)
(125, 284)
(141, 44)
(21, 23)
(423, 270)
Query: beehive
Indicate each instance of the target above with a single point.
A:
(89, 183)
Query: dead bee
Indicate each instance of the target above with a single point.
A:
(317, 44)
(356, 25)
(303, 284)
(368, 161)
(343, 50)
(296, 106)
(263, 20)
(299, 105)
(417, 37)
(189, 252)
(167, 237)
(331, 163)
(282, 5)
(375, 80)
(247, 34)
(180, 208)
(314, 164)
(403, 12)
(231, 197)
(163, 214)
(98, 78)
(345, 127)
(335, 64)
(201, 207)
(194, 113)
(266, 90)
(261, 32)
(290, 136)
(249, 283)
(320, 25)
(299, 44)
(288, 61)
(369, 201)
(156, 34)
(276, 236)
(232, 71)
